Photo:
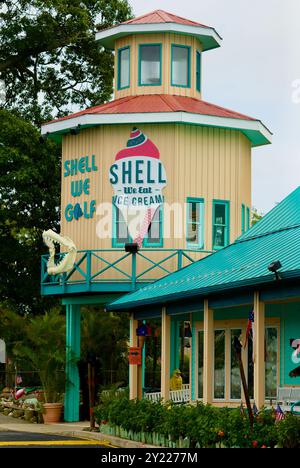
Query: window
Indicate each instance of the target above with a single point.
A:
(121, 235)
(154, 235)
(248, 219)
(180, 66)
(243, 219)
(124, 68)
(195, 222)
(198, 71)
(219, 370)
(235, 377)
(200, 362)
(271, 370)
(220, 224)
(150, 65)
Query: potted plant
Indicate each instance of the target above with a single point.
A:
(44, 347)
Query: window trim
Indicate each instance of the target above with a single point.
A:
(161, 237)
(201, 224)
(188, 85)
(140, 63)
(198, 72)
(119, 87)
(227, 230)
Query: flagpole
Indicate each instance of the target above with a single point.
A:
(238, 348)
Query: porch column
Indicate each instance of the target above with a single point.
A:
(135, 371)
(259, 351)
(165, 354)
(72, 395)
(208, 361)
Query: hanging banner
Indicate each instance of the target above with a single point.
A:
(138, 178)
(135, 356)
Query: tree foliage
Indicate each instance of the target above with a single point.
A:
(49, 58)
(29, 199)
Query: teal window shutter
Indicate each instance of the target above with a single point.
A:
(195, 223)
(221, 224)
(123, 68)
(198, 71)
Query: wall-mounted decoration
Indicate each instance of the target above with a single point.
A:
(138, 178)
(67, 260)
(135, 356)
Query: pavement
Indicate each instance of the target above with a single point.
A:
(10, 426)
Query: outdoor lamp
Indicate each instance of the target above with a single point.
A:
(274, 267)
(132, 247)
(75, 130)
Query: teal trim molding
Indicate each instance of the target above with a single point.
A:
(173, 83)
(140, 65)
(120, 51)
(72, 394)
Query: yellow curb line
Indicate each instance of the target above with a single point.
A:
(55, 442)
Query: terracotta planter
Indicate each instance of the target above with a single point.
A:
(52, 412)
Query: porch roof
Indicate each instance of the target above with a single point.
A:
(242, 264)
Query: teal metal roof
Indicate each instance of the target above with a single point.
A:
(243, 263)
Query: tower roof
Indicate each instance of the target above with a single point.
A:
(162, 108)
(160, 21)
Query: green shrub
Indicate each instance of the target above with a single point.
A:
(203, 425)
(288, 432)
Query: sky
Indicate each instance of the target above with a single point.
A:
(256, 71)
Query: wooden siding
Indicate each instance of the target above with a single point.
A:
(200, 162)
(166, 39)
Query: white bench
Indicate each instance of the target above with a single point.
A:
(178, 396)
(286, 396)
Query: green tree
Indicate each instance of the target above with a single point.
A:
(49, 59)
(256, 216)
(29, 200)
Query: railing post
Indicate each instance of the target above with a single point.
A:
(179, 260)
(133, 271)
(88, 270)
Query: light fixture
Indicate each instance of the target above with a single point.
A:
(274, 267)
(132, 247)
(43, 138)
(75, 130)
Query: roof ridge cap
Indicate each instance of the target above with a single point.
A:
(165, 98)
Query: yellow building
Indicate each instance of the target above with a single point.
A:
(182, 163)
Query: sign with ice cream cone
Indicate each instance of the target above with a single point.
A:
(138, 178)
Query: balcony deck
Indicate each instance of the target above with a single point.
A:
(114, 270)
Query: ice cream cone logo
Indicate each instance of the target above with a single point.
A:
(138, 178)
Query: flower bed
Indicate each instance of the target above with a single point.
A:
(194, 426)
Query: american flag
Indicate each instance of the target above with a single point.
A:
(249, 327)
(279, 413)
